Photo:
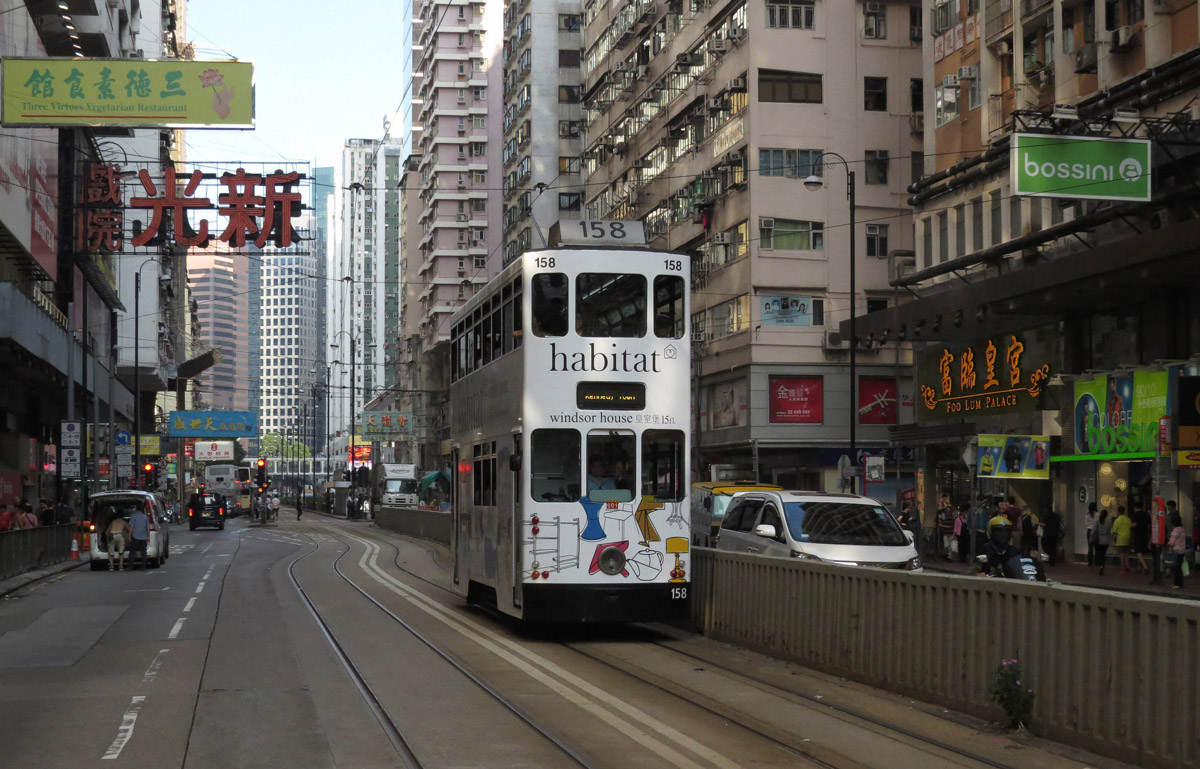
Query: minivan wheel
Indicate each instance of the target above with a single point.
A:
(97, 565)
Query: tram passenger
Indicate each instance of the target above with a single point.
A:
(599, 477)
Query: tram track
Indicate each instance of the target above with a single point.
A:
(391, 729)
(927, 743)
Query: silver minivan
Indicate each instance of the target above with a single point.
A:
(819, 526)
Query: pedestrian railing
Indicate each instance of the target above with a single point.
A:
(25, 549)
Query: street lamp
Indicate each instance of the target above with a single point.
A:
(814, 182)
(353, 391)
(137, 370)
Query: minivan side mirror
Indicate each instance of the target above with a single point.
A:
(765, 530)
(911, 539)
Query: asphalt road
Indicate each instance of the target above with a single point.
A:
(218, 660)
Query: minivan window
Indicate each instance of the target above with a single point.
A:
(841, 523)
(744, 516)
(770, 516)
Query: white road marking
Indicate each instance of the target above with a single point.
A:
(125, 730)
(569, 686)
(175, 630)
(154, 666)
(191, 602)
(150, 590)
(200, 586)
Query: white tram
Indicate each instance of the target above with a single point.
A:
(570, 406)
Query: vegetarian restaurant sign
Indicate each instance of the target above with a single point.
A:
(990, 376)
(170, 93)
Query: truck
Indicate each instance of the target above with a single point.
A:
(394, 485)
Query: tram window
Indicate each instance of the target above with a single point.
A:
(668, 307)
(497, 323)
(662, 465)
(484, 480)
(612, 465)
(508, 328)
(486, 328)
(550, 304)
(610, 305)
(554, 469)
(517, 332)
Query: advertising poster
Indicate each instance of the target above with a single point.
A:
(797, 399)
(877, 400)
(1119, 414)
(1014, 456)
(786, 310)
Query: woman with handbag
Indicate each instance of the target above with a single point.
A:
(1176, 548)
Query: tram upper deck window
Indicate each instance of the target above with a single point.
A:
(668, 307)
(549, 304)
(554, 470)
(610, 305)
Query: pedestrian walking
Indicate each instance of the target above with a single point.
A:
(1101, 537)
(1176, 550)
(6, 517)
(299, 506)
(1051, 521)
(63, 512)
(1029, 526)
(1140, 542)
(115, 536)
(945, 526)
(275, 508)
(26, 518)
(1089, 525)
(45, 513)
(139, 537)
(962, 532)
(1122, 535)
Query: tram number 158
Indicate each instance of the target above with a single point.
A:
(678, 593)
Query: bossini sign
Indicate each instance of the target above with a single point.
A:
(1080, 167)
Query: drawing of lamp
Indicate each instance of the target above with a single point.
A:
(594, 530)
(676, 546)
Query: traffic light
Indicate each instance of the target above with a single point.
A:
(150, 473)
(261, 482)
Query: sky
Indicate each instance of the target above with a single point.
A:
(324, 72)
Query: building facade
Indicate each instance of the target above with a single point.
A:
(703, 120)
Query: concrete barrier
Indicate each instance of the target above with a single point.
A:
(433, 525)
(1114, 673)
(25, 549)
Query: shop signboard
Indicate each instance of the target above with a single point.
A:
(139, 93)
(213, 424)
(1119, 413)
(385, 425)
(1088, 167)
(1014, 456)
(1187, 412)
(1001, 374)
(877, 399)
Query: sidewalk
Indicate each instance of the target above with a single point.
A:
(1081, 575)
(13, 584)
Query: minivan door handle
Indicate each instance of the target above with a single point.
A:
(752, 550)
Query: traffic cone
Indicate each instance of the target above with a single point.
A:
(74, 548)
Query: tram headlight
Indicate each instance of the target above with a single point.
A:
(612, 561)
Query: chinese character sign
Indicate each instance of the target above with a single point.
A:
(1004, 373)
(797, 399)
(385, 425)
(171, 93)
(213, 424)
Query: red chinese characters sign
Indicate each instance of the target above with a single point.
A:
(250, 216)
(797, 399)
(877, 397)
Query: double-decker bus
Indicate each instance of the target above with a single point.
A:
(233, 481)
(570, 406)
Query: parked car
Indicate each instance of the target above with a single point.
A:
(206, 509)
(708, 503)
(819, 526)
(103, 506)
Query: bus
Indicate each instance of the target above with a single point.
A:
(231, 480)
(569, 442)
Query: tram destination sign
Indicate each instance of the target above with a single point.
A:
(1088, 167)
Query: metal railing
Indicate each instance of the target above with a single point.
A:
(25, 549)
(1112, 673)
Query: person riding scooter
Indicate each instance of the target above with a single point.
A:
(1000, 559)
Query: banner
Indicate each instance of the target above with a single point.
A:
(213, 424)
(1088, 167)
(1014, 456)
(168, 93)
(1119, 414)
(797, 399)
(877, 400)
(786, 310)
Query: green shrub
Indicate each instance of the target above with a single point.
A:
(1012, 692)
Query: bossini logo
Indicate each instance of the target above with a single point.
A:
(1129, 170)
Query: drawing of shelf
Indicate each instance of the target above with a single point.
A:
(546, 547)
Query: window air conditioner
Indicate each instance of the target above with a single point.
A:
(833, 340)
(621, 66)
(717, 105)
(873, 7)
(721, 239)
(969, 72)
(766, 223)
(1122, 38)
(461, 218)
(641, 72)
(733, 158)
(719, 46)
(950, 81)
(699, 336)
(736, 85)
(737, 33)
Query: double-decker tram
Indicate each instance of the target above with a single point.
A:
(570, 407)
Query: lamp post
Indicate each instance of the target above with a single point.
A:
(353, 390)
(137, 372)
(814, 182)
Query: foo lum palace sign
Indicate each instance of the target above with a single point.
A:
(251, 208)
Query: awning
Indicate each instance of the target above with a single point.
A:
(439, 477)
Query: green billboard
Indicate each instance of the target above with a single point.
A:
(1119, 413)
(1090, 167)
(169, 93)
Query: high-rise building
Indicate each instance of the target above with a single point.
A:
(323, 242)
(543, 120)
(221, 282)
(704, 120)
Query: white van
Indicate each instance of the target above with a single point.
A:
(105, 505)
(836, 528)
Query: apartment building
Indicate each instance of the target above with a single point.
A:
(703, 120)
(543, 120)
(1053, 249)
